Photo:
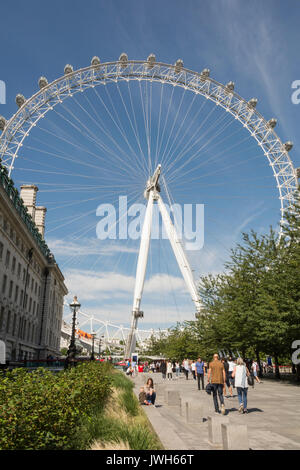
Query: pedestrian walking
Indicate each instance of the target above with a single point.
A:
(227, 382)
(163, 369)
(193, 368)
(169, 370)
(254, 369)
(240, 374)
(185, 365)
(177, 369)
(216, 375)
(231, 366)
(200, 373)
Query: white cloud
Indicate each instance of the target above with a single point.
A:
(86, 247)
(92, 285)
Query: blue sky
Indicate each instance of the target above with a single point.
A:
(255, 44)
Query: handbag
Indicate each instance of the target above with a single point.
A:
(209, 388)
(250, 380)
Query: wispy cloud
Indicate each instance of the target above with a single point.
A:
(256, 50)
(87, 246)
(100, 286)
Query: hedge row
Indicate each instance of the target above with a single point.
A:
(41, 410)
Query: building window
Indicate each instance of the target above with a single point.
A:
(1, 318)
(8, 322)
(14, 325)
(20, 327)
(1, 249)
(10, 289)
(4, 284)
(16, 294)
(19, 270)
(7, 259)
(21, 298)
(13, 265)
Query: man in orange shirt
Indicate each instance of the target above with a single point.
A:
(216, 374)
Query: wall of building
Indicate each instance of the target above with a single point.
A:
(32, 290)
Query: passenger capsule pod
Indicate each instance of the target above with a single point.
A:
(298, 172)
(253, 102)
(20, 100)
(123, 59)
(2, 123)
(43, 82)
(205, 74)
(230, 86)
(288, 146)
(95, 61)
(272, 122)
(178, 65)
(68, 69)
(151, 61)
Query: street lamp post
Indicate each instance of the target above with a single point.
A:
(100, 343)
(93, 342)
(71, 354)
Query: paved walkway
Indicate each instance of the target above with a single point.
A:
(273, 420)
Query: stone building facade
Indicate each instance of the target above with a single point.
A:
(32, 286)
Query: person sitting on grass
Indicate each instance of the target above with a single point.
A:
(150, 392)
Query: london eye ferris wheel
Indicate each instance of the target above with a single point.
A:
(141, 133)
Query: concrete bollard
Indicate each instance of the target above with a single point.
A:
(172, 398)
(235, 436)
(182, 406)
(215, 431)
(194, 412)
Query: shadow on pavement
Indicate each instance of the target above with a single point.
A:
(252, 410)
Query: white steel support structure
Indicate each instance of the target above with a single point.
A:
(152, 194)
(179, 254)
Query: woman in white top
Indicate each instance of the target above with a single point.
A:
(254, 368)
(193, 366)
(169, 370)
(240, 374)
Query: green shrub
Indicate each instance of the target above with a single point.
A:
(42, 410)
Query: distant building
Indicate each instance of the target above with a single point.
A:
(32, 286)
